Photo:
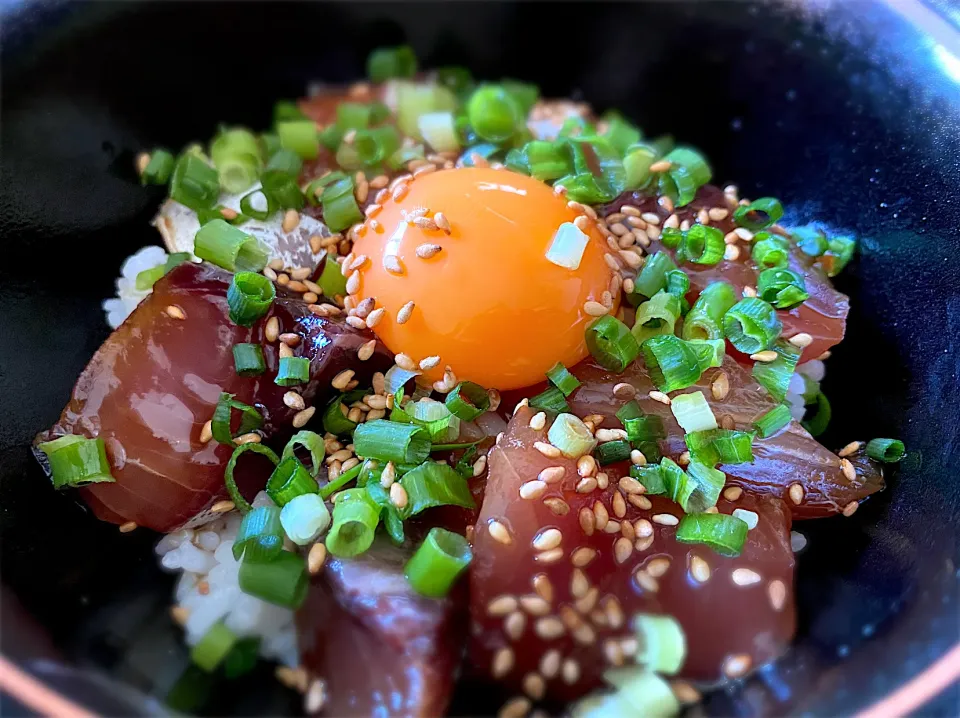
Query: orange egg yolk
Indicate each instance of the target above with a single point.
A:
(486, 300)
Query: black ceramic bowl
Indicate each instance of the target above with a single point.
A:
(849, 112)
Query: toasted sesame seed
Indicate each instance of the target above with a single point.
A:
(366, 350)
(538, 421)
(600, 515)
(749, 291)
(502, 605)
(356, 322)
(852, 448)
(658, 567)
(624, 390)
(684, 458)
(405, 362)
(502, 663)
(516, 707)
(425, 251)
(128, 527)
(587, 521)
(618, 505)
(341, 380)
(731, 253)
(206, 432)
(665, 519)
(548, 450)
(595, 309)
(743, 233)
(584, 605)
(175, 312)
(699, 569)
(848, 469)
(612, 652)
(720, 386)
(293, 400)
(249, 438)
(547, 539)
(673, 221)
(550, 556)
(585, 486)
(801, 340)
(302, 417)
(535, 605)
(316, 557)
(796, 493)
(659, 396)
(398, 495)
(499, 533)
(777, 592)
(637, 458)
(646, 581)
(745, 577)
(548, 628)
(532, 489)
(586, 465)
(727, 422)
(622, 548)
(605, 435)
(850, 509)
(737, 665)
(732, 493)
(353, 283)
(767, 355)
(269, 274)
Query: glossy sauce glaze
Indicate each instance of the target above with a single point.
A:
(559, 575)
(155, 382)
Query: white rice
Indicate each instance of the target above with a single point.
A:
(128, 296)
(814, 370)
(204, 557)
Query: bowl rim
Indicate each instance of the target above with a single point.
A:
(915, 693)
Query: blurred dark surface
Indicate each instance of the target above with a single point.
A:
(843, 110)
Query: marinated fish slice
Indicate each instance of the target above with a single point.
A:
(553, 593)
(152, 386)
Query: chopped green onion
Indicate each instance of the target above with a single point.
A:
(620, 133)
(641, 429)
(369, 148)
(774, 420)
(340, 209)
(247, 208)
(679, 486)
(304, 518)
(241, 503)
(671, 237)
(751, 325)
(783, 288)
(817, 423)
(228, 247)
(431, 484)
(332, 487)
(248, 359)
(159, 168)
(692, 412)
(638, 693)
(282, 582)
(630, 410)
(148, 277)
(708, 483)
(314, 191)
(260, 537)
(436, 418)
(439, 131)
(335, 419)
(759, 214)
(838, 255)
(213, 647)
(391, 441)
(194, 183)
(611, 452)
(284, 110)
(770, 250)
(560, 377)
(671, 361)
(293, 371)
(636, 164)
(236, 155)
(590, 155)
(290, 480)
(249, 296)
(709, 352)
(889, 451)
(705, 317)
(567, 247)
(269, 144)
(678, 284)
(494, 114)
(657, 316)
(653, 276)
(437, 563)
(720, 446)
(300, 136)
(312, 442)
(689, 172)
(723, 533)
(650, 477)
(387, 63)
(279, 179)
(175, 260)
(414, 99)
(331, 280)
(551, 400)
(663, 647)
(355, 519)
(611, 343)
(242, 658)
(810, 239)
(455, 78)
(467, 401)
(250, 419)
(569, 434)
(389, 514)
(701, 244)
(77, 461)
(547, 160)
(775, 376)
(404, 155)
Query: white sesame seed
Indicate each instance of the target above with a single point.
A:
(405, 362)
(570, 671)
(796, 493)
(850, 509)
(743, 233)
(316, 558)
(552, 474)
(587, 521)
(547, 539)
(848, 469)
(606, 435)
(551, 556)
(534, 605)
(665, 519)
(514, 624)
(548, 450)
(619, 505)
(852, 448)
(502, 605)
(502, 663)
(293, 400)
(745, 577)
(801, 340)
(643, 527)
(366, 350)
(499, 533)
(532, 489)
(732, 493)
(586, 465)
(658, 567)
(356, 262)
(355, 322)
(398, 495)
(302, 417)
(425, 251)
(595, 309)
(749, 291)
(392, 264)
(646, 581)
(538, 421)
(375, 316)
(341, 380)
(767, 355)
(586, 485)
(582, 555)
(731, 253)
(549, 628)
(699, 569)
(479, 465)
(777, 592)
(127, 527)
(291, 220)
(622, 548)
(206, 432)
(659, 396)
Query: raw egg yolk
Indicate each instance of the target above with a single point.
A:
(468, 247)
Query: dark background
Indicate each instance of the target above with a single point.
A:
(845, 111)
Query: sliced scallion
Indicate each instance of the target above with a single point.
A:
(210, 650)
(770, 250)
(355, 519)
(773, 421)
(260, 537)
(494, 114)
(705, 317)
(889, 451)
(689, 172)
(569, 434)
(650, 476)
(236, 155)
(304, 518)
(335, 419)
(283, 581)
(759, 214)
(194, 183)
(387, 63)
(550, 400)
(299, 136)
(653, 276)
(159, 168)
(290, 480)
(432, 484)
(671, 361)
(293, 371)
(701, 244)
(611, 343)
(774, 376)
(312, 442)
(817, 422)
(468, 400)
(663, 647)
(226, 246)
(723, 533)
(241, 503)
(331, 280)
(248, 359)
(783, 288)
(751, 325)
(657, 316)
(77, 461)
(692, 412)
(437, 563)
(222, 422)
(561, 378)
(720, 446)
(611, 452)
(249, 297)
(391, 441)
